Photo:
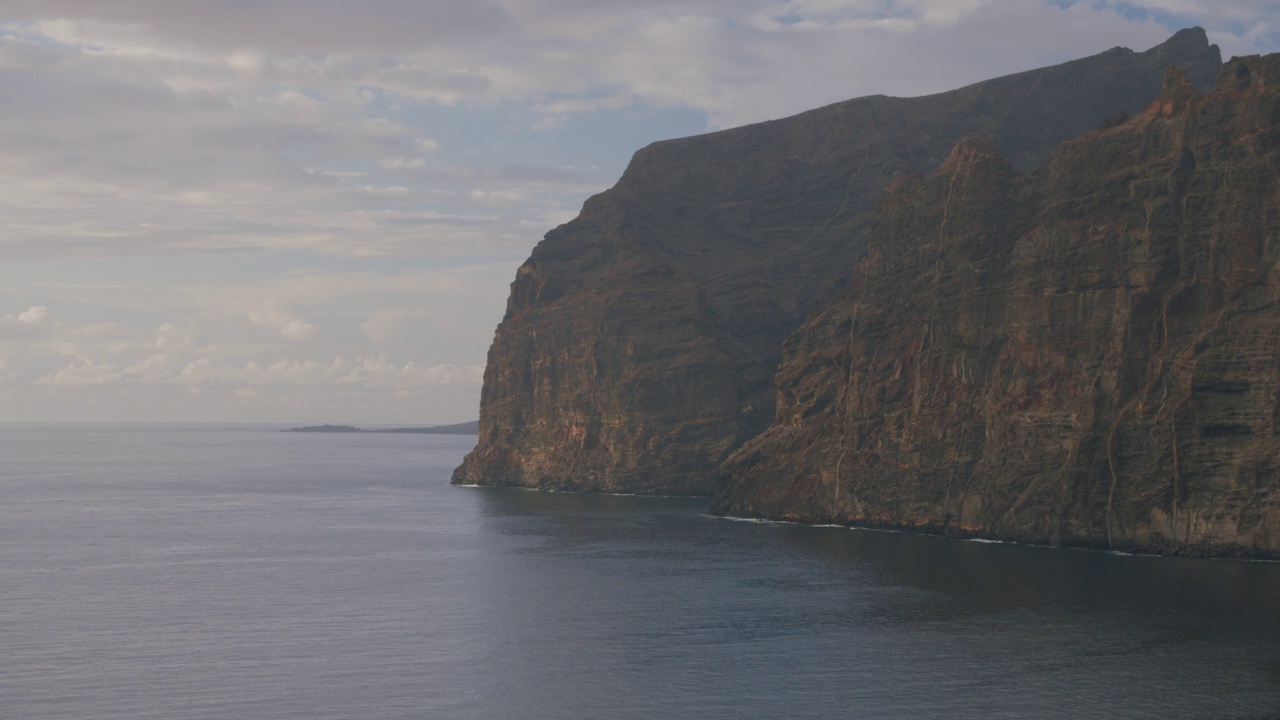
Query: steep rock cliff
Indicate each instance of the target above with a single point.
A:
(1088, 355)
(641, 339)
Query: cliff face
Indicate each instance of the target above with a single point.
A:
(1087, 355)
(641, 339)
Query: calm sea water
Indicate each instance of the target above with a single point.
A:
(246, 573)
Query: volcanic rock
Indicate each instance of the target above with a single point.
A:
(641, 340)
(1086, 355)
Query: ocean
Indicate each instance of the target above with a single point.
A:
(240, 572)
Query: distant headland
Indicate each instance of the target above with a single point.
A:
(467, 428)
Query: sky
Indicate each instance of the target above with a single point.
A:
(307, 211)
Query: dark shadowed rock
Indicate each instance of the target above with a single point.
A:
(1087, 355)
(641, 339)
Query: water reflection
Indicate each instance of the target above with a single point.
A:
(862, 617)
(991, 577)
(973, 576)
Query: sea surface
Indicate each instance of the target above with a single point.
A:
(241, 572)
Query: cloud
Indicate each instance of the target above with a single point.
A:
(148, 366)
(34, 315)
(429, 329)
(30, 323)
(80, 375)
(367, 372)
(271, 315)
(298, 330)
(172, 335)
(174, 150)
(383, 325)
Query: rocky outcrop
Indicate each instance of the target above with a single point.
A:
(1088, 355)
(641, 340)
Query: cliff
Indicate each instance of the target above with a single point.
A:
(641, 340)
(1088, 355)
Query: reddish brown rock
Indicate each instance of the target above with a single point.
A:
(641, 339)
(1088, 355)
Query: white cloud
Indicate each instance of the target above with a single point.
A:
(34, 315)
(271, 315)
(383, 325)
(298, 330)
(215, 343)
(80, 375)
(30, 323)
(173, 335)
(149, 366)
(372, 372)
(174, 148)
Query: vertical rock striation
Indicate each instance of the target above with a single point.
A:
(1087, 355)
(641, 339)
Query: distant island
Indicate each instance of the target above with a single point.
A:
(467, 428)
